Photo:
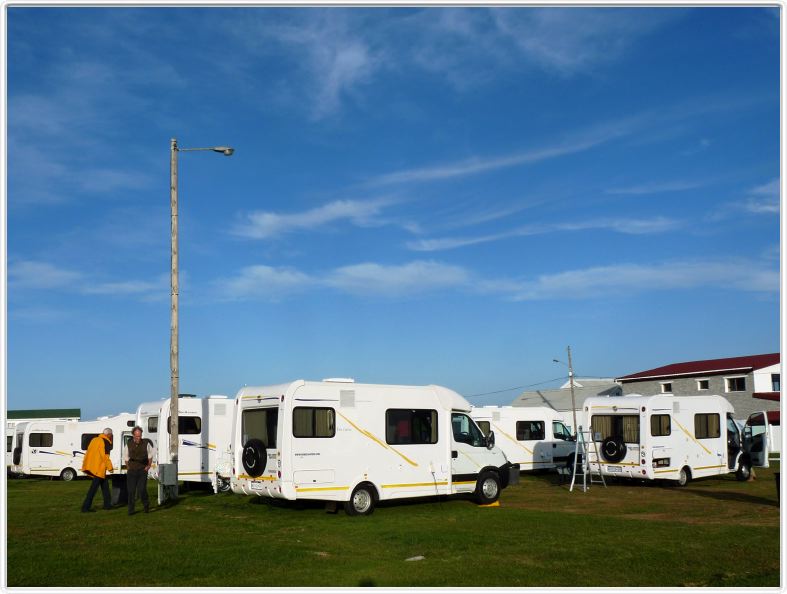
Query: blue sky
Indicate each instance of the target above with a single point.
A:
(435, 195)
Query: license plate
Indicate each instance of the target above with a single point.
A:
(256, 485)
(614, 469)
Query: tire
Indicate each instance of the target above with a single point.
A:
(487, 489)
(613, 449)
(744, 471)
(684, 477)
(223, 485)
(361, 501)
(68, 474)
(254, 457)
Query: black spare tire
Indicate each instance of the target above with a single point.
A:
(613, 449)
(254, 457)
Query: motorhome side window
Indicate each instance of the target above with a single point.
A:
(40, 440)
(706, 426)
(309, 421)
(260, 423)
(466, 431)
(625, 426)
(86, 439)
(482, 425)
(560, 431)
(530, 430)
(660, 425)
(187, 425)
(408, 426)
(153, 425)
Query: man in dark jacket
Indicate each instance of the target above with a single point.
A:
(138, 457)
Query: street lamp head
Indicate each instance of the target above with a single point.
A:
(227, 151)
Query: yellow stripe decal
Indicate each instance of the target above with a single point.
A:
(303, 490)
(707, 467)
(62, 453)
(191, 473)
(376, 440)
(516, 441)
(464, 482)
(691, 436)
(615, 463)
(256, 478)
(441, 483)
(664, 471)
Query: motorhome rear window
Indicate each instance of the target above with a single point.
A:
(153, 425)
(625, 426)
(40, 440)
(187, 425)
(530, 430)
(660, 425)
(260, 423)
(408, 426)
(309, 421)
(706, 426)
(86, 439)
(483, 426)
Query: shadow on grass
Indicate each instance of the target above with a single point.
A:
(730, 496)
(301, 505)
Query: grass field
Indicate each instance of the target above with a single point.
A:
(715, 532)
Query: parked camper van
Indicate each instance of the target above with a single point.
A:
(677, 438)
(204, 430)
(339, 441)
(534, 437)
(57, 448)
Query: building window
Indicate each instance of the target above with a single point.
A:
(706, 426)
(666, 387)
(86, 439)
(408, 426)
(41, 440)
(153, 425)
(625, 426)
(187, 425)
(703, 384)
(313, 422)
(660, 425)
(482, 425)
(776, 382)
(736, 384)
(530, 430)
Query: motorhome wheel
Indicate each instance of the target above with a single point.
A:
(254, 457)
(684, 476)
(488, 488)
(222, 484)
(361, 502)
(68, 474)
(613, 449)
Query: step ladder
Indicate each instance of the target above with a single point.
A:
(583, 448)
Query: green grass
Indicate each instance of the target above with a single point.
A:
(715, 532)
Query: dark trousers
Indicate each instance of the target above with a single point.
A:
(91, 492)
(137, 483)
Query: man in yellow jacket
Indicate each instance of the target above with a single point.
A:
(97, 464)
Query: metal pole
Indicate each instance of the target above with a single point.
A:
(571, 385)
(173, 340)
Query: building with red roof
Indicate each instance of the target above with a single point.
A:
(751, 383)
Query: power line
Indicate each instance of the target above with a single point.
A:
(517, 387)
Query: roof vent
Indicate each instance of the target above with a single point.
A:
(339, 380)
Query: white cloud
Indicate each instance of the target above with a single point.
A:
(763, 199)
(264, 282)
(625, 226)
(629, 279)
(392, 281)
(657, 187)
(30, 274)
(268, 225)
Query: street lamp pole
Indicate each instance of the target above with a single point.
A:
(174, 388)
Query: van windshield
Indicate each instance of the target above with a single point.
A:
(465, 431)
(260, 423)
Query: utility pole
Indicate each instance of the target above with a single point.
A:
(571, 385)
(174, 387)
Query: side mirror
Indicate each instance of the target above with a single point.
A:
(490, 440)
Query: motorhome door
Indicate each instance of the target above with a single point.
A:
(755, 439)
(468, 446)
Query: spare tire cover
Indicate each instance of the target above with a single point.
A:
(254, 457)
(613, 449)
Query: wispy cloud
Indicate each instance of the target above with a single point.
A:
(629, 279)
(268, 225)
(763, 199)
(625, 226)
(657, 187)
(30, 274)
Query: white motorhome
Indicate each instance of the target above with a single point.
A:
(677, 438)
(534, 437)
(57, 449)
(339, 441)
(204, 432)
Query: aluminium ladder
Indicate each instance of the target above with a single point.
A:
(582, 441)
